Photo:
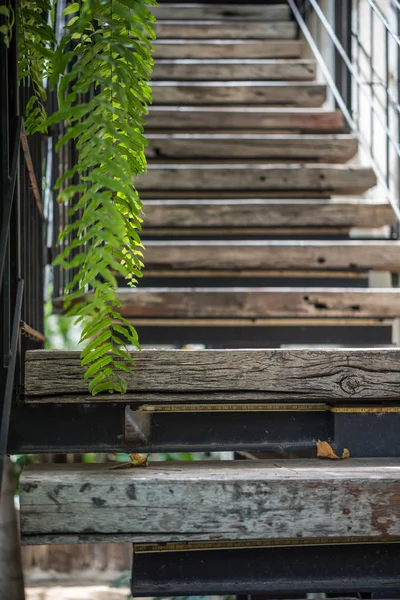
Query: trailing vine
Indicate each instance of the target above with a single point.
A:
(36, 41)
(110, 61)
(100, 68)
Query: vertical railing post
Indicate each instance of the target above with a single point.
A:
(343, 12)
(396, 8)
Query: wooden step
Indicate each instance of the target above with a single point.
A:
(169, 502)
(216, 29)
(228, 69)
(254, 176)
(328, 148)
(238, 214)
(253, 303)
(192, 48)
(270, 93)
(217, 118)
(273, 254)
(227, 12)
(320, 375)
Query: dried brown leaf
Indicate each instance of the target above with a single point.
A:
(325, 450)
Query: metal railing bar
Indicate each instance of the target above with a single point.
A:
(384, 22)
(381, 80)
(9, 200)
(371, 76)
(343, 54)
(387, 76)
(8, 391)
(31, 171)
(31, 332)
(306, 32)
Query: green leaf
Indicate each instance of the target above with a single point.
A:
(72, 8)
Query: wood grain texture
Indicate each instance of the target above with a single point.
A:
(227, 12)
(215, 29)
(326, 148)
(274, 254)
(217, 118)
(254, 212)
(271, 93)
(193, 48)
(224, 303)
(218, 500)
(263, 176)
(323, 375)
(228, 69)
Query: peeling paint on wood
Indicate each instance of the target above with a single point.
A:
(216, 501)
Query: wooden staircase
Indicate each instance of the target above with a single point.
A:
(249, 201)
(250, 210)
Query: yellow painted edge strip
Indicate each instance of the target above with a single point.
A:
(156, 408)
(231, 407)
(241, 544)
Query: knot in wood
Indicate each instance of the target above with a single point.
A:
(350, 384)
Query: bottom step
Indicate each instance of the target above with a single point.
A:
(321, 500)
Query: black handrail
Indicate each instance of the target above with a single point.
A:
(21, 237)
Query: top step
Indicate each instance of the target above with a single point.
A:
(216, 29)
(228, 12)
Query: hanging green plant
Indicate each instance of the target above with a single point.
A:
(105, 59)
(100, 67)
(36, 41)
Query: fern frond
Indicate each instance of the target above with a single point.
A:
(109, 66)
(36, 41)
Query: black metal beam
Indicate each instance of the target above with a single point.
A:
(277, 570)
(284, 432)
(61, 428)
(265, 336)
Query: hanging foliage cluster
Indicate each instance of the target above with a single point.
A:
(100, 66)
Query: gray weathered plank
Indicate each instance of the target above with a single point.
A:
(216, 29)
(224, 500)
(248, 118)
(327, 148)
(274, 254)
(251, 303)
(227, 12)
(257, 176)
(228, 69)
(193, 48)
(272, 93)
(267, 213)
(323, 375)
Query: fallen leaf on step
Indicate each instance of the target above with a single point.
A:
(137, 460)
(325, 450)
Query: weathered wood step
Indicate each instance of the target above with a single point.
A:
(215, 29)
(191, 48)
(272, 93)
(253, 303)
(308, 254)
(167, 502)
(226, 375)
(253, 212)
(227, 176)
(327, 148)
(219, 118)
(227, 12)
(228, 69)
